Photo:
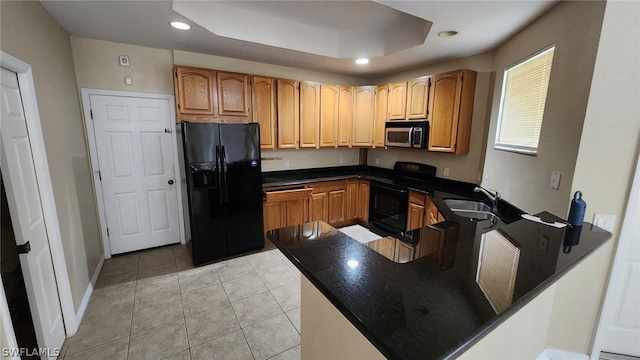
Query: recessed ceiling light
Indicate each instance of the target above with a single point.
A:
(180, 25)
(362, 61)
(447, 33)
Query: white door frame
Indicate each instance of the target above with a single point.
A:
(615, 284)
(36, 139)
(95, 165)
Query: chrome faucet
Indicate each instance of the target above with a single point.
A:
(493, 196)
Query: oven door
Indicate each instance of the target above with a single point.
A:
(387, 209)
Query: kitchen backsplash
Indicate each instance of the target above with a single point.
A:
(274, 160)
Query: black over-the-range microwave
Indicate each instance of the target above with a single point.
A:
(408, 134)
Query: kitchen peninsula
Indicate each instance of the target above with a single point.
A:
(429, 307)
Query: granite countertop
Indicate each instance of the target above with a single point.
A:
(420, 310)
(425, 309)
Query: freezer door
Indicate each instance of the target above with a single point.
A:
(242, 181)
(202, 162)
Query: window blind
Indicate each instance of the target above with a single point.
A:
(523, 100)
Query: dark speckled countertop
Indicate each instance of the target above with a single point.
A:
(422, 309)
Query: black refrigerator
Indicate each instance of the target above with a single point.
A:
(222, 180)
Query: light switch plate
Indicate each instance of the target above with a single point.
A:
(555, 180)
(286, 163)
(446, 172)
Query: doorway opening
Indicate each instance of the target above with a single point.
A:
(13, 282)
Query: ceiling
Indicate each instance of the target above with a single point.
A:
(318, 35)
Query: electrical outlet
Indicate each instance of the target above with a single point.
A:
(604, 221)
(555, 180)
(341, 160)
(446, 171)
(377, 161)
(286, 163)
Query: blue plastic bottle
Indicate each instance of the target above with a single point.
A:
(578, 209)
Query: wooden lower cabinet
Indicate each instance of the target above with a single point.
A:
(352, 199)
(338, 203)
(319, 207)
(363, 201)
(337, 208)
(282, 208)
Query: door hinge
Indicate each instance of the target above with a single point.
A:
(107, 232)
(168, 131)
(99, 175)
(24, 249)
(91, 113)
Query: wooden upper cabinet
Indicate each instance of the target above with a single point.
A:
(329, 106)
(450, 111)
(309, 114)
(345, 115)
(398, 100)
(364, 105)
(382, 101)
(263, 100)
(233, 94)
(194, 91)
(417, 95)
(288, 113)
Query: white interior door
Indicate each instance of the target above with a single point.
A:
(23, 196)
(136, 160)
(621, 334)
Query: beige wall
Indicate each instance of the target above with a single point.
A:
(97, 66)
(605, 164)
(32, 35)
(273, 160)
(574, 27)
(461, 167)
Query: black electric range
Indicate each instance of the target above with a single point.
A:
(389, 197)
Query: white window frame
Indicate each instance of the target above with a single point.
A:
(514, 148)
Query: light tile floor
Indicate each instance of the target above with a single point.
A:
(155, 305)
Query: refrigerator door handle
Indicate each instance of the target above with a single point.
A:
(223, 159)
(219, 175)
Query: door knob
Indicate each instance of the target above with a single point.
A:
(170, 182)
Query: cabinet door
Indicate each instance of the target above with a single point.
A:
(329, 105)
(263, 98)
(432, 214)
(345, 115)
(445, 105)
(415, 216)
(398, 100)
(352, 199)
(382, 102)
(319, 207)
(274, 215)
(337, 206)
(233, 94)
(403, 252)
(297, 212)
(417, 95)
(288, 114)
(309, 114)
(363, 200)
(364, 105)
(194, 91)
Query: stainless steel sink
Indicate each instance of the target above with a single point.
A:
(467, 205)
(474, 210)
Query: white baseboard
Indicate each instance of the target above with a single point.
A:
(87, 294)
(555, 354)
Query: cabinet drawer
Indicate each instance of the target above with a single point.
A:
(286, 195)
